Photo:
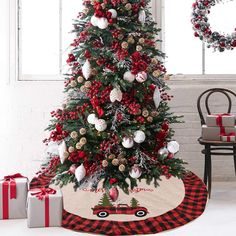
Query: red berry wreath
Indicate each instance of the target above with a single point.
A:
(202, 28)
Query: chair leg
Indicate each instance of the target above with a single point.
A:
(234, 159)
(205, 168)
(209, 168)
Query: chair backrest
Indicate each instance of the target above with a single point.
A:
(227, 92)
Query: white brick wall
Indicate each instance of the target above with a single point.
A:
(25, 112)
(186, 92)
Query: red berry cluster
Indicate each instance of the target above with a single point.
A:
(58, 134)
(77, 156)
(165, 171)
(139, 62)
(63, 115)
(51, 166)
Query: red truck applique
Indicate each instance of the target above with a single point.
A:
(105, 211)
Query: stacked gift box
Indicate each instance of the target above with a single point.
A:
(42, 206)
(219, 127)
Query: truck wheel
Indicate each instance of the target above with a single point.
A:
(140, 213)
(102, 214)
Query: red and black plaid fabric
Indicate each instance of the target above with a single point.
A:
(192, 206)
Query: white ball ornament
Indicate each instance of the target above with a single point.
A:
(100, 125)
(139, 136)
(80, 173)
(92, 118)
(128, 142)
(94, 20)
(113, 13)
(163, 151)
(142, 17)
(141, 77)
(116, 95)
(62, 150)
(86, 69)
(128, 76)
(102, 23)
(157, 97)
(135, 172)
(173, 147)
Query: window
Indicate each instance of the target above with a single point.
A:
(187, 54)
(43, 37)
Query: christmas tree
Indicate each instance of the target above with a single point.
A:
(105, 201)
(134, 202)
(115, 123)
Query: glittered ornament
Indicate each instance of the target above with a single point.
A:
(142, 17)
(139, 136)
(141, 77)
(173, 147)
(92, 118)
(128, 76)
(86, 69)
(62, 150)
(113, 194)
(102, 23)
(94, 20)
(135, 172)
(157, 97)
(113, 13)
(100, 125)
(128, 142)
(116, 95)
(80, 173)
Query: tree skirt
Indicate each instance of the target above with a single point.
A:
(146, 210)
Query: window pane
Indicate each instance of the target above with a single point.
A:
(70, 10)
(222, 19)
(184, 51)
(40, 37)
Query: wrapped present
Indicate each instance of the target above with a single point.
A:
(226, 120)
(228, 137)
(215, 133)
(13, 197)
(44, 208)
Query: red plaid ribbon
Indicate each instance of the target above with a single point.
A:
(43, 194)
(219, 119)
(9, 181)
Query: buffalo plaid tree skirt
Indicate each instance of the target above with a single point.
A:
(192, 207)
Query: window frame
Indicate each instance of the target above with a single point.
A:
(16, 50)
(158, 10)
(160, 19)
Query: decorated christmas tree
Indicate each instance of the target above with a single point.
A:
(115, 123)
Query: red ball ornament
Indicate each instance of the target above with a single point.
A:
(113, 194)
(112, 181)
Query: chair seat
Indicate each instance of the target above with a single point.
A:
(215, 143)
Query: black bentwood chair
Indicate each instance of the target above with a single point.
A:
(215, 148)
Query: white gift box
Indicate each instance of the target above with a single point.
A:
(13, 208)
(45, 212)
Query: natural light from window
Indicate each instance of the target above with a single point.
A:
(184, 51)
(44, 35)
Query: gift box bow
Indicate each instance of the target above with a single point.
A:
(11, 179)
(219, 118)
(42, 193)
